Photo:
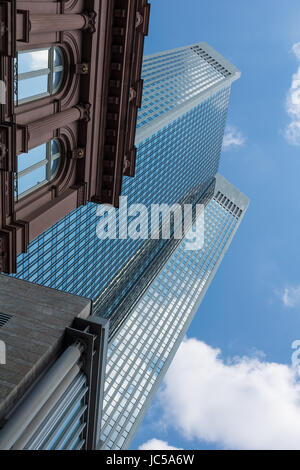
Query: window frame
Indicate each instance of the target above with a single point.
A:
(47, 162)
(49, 72)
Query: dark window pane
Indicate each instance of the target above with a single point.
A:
(54, 167)
(58, 60)
(55, 147)
(57, 77)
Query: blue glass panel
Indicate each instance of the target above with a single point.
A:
(180, 156)
(57, 78)
(32, 86)
(55, 147)
(196, 138)
(55, 166)
(35, 177)
(58, 60)
(25, 160)
(35, 60)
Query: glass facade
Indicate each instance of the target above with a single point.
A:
(140, 352)
(175, 77)
(179, 158)
(183, 155)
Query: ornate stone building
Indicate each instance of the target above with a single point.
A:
(70, 91)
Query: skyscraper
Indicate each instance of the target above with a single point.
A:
(183, 153)
(178, 80)
(179, 138)
(142, 349)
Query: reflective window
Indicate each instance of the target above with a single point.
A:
(37, 167)
(39, 73)
(171, 80)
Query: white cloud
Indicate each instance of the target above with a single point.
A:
(242, 404)
(296, 50)
(38, 59)
(291, 296)
(292, 132)
(232, 138)
(156, 444)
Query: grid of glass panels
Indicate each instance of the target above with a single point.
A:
(138, 353)
(39, 73)
(69, 257)
(175, 78)
(181, 156)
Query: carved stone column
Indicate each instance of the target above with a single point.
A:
(42, 130)
(65, 22)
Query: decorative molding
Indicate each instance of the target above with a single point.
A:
(81, 69)
(8, 28)
(8, 251)
(8, 147)
(129, 162)
(78, 153)
(90, 21)
(132, 94)
(84, 109)
(3, 252)
(81, 194)
(93, 114)
(24, 225)
(24, 132)
(139, 19)
(26, 26)
(130, 24)
(68, 5)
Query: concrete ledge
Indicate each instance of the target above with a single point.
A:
(33, 334)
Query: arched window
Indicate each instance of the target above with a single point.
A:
(38, 73)
(37, 167)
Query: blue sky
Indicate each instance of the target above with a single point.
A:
(251, 311)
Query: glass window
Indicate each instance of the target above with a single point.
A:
(39, 73)
(37, 167)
